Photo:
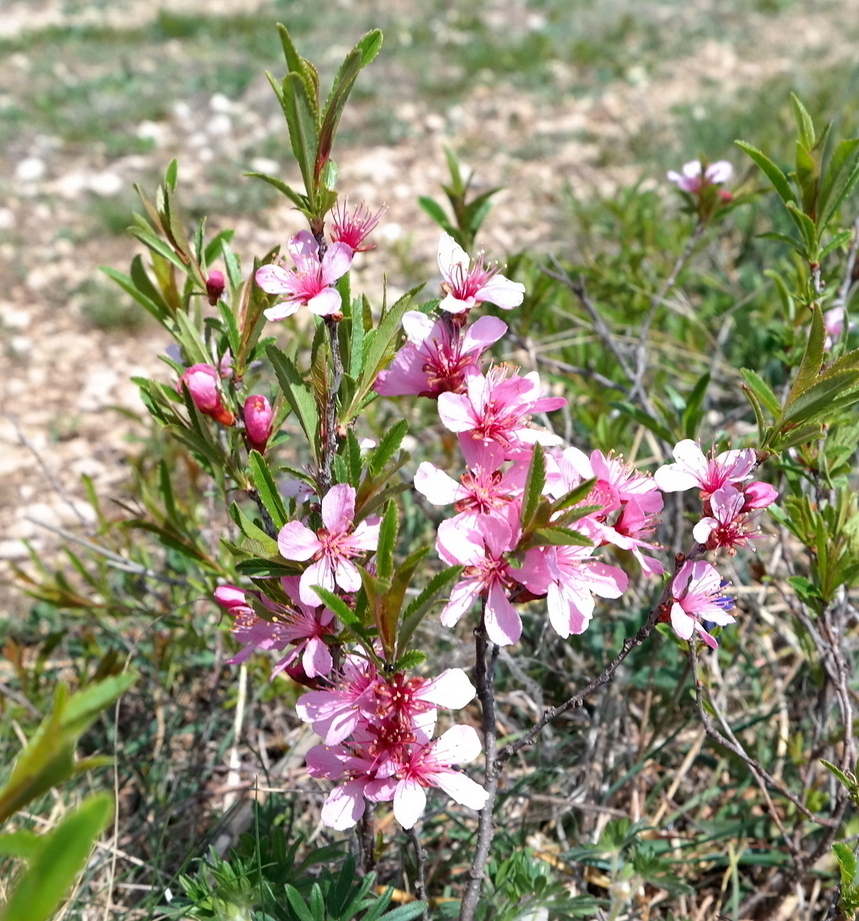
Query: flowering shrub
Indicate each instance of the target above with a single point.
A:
(326, 568)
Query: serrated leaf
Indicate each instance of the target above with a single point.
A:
(388, 531)
(298, 395)
(820, 401)
(267, 489)
(812, 358)
(771, 171)
(387, 447)
(762, 391)
(420, 606)
(535, 481)
(300, 201)
(559, 537)
(359, 57)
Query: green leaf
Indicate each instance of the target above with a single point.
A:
(437, 213)
(559, 537)
(840, 239)
(267, 489)
(388, 531)
(405, 912)
(62, 855)
(300, 201)
(267, 544)
(804, 124)
(829, 395)
(534, 483)
(387, 447)
(298, 395)
(812, 358)
(48, 758)
(358, 58)
(807, 230)
(793, 243)
(773, 173)
(778, 441)
(841, 176)
(420, 606)
(161, 313)
(762, 391)
(692, 414)
(300, 112)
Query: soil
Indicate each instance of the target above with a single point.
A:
(65, 377)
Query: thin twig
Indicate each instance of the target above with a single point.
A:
(329, 435)
(420, 870)
(484, 676)
(563, 367)
(655, 302)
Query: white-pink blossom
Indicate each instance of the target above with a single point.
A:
(333, 547)
(696, 597)
(466, 285)
(309, 282)
(693, 468)
(693, 176)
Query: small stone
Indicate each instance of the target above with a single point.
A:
(30, 169)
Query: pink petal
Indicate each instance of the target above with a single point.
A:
(482, 333)
(275, 279)
(410, 800)
(682, 623)
(317, 659)
(459, 745)
(417, 326)
(502, 292)
(325, 303)
(451, 254)
(281, 311)
(318, 573)
(462, 597)
(338, 508)
(297, 542)
(450, 689)
(346, 575)
(344, 806)
(336, 262)
(503, 624)
(436, 485)
(461, 789)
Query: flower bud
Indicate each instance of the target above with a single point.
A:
(258, 418)
(202, 382)
(758, 495)
(214, 286)
(233, 599)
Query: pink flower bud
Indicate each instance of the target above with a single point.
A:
(758, 495)
(233, 599)
(258, 416)
(214, 286)
(202, 382)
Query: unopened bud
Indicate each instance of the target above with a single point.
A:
(258, 421)
(202, 382)
(214, 286)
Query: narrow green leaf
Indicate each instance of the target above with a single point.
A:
(298, 905)
(161, 314)
(812, 358)
(535, 481)
(692, 414)
(840, 239)
(157, 245)
(807, 176)
(358, 58)
(46, 882)
(436, 212)
(267, 544)
(574, 496)
(559, 537)
(387, 447)
(420, 606)
(804, 124)
(388, 531)
(792, 242)
(807, 229)
(820, 401)
(300, 113)
(298, 395)
(773, 173)
(267, 489)
(762, 391)
(300, 201)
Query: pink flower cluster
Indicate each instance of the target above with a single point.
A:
(378, 742)
(730, 504)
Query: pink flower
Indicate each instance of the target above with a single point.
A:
(215, 286)
(570, 579)
(479, 491)
(690, 178)
(493, 416)
(728, 525)
(353, 229)
(481, 545)
(697, 596)
(758, 495)
(335, 712)
(203, 384)
(430, 766)
(708, 474)
(310, 282)
(437, 355)
(465, 287)
(297, 625)
(258, 421)
(332, 547)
